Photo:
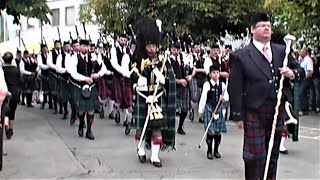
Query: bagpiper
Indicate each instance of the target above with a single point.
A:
(53, 76)
(63, 61)
(29, 70)
(199, 76)
(155, 102)
(122, 85)
(183, 79)
(83, 75)
(42, 63)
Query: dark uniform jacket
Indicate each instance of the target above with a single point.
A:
(254, 81)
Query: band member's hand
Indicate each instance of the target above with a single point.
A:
(160, 79)
(95, 76)
(221, 98)
(34, 74)
(239, 124)
(189, 78)
(200, 115)
(286, 72)
(142, 81)
(183, 82)
(89, 80)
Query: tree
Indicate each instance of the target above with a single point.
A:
(32, 8)
(200, 18)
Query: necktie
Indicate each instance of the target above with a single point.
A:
(265, 50)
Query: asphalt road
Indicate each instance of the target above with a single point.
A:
(44, 146)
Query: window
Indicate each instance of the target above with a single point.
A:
(70, 16)
(55, 17)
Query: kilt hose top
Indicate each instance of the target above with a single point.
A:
(168, 105)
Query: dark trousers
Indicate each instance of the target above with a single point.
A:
(304, 94)
(315, 93)
(257, 132)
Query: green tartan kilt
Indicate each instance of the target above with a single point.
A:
(183, 98)
(53, 84)
(85, 105)
(140, 113)
(63, 94)
(216, 126)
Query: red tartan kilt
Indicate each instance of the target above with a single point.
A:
(104, 88)
(122, 92)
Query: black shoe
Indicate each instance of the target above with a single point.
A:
(60, 111)
(156, 164)
(284, 152)
(72, 120)
(217, 154)
(55, 112)
(50, 107)
(23, 104)
(111, 116)
(64, 116)
(89, 135)
(9, 133)
(80, 131)
(200, 120)
(181, 131)
(42, 106)
(209, 155)
(29, 105)
(142, 159)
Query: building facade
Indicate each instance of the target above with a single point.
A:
(65, 15)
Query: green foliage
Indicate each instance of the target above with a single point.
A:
(206, 19)
(31, 8)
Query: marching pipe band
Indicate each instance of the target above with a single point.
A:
(150, 85)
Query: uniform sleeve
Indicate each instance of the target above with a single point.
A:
(235, 86)
(50, 62)
(114, 60)
(103, 66)
(225, 90)
(41, 65)
(206, 65)
(73, 70)
(58, 66)
(23, 71)
(203, 99)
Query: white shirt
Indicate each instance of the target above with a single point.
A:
(50, 60)
(73, 68)
(207, 63)
(306, 63)
(260, 46)
(22, 69)
(59, 67)
(114, 60)
(206, 88)
(40, 63)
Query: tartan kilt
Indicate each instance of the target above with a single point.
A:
(30, 83)
(104, 87)
(140, 109)
(72, 96)
(257, 132)
(122, 92)
(53, 83)
(44, 84)
(216, 126)
(195, 90)
(85, 105)
(63, 94)
(183, 98)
